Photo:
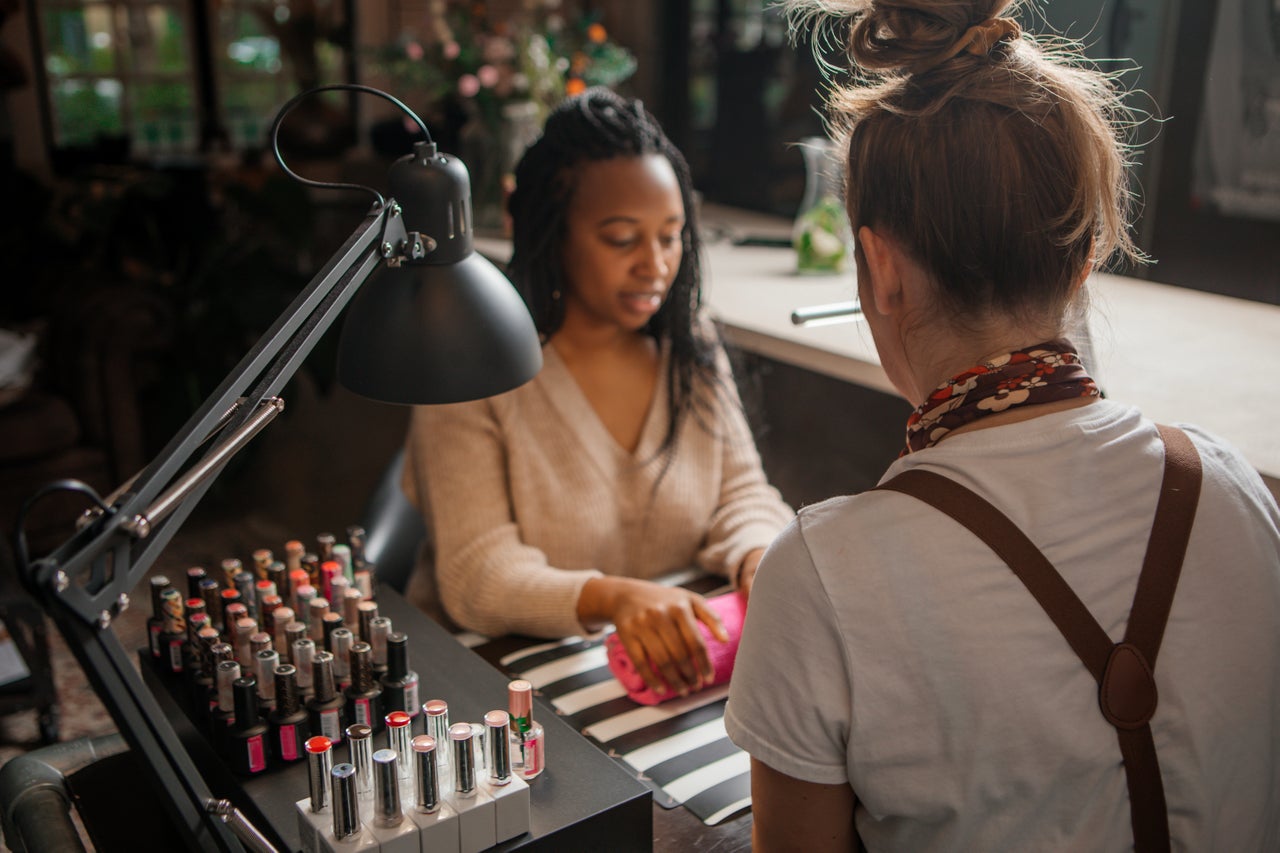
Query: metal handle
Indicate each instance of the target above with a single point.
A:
(140, 525)
(846, 311)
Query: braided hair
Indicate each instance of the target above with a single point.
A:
(602, 125)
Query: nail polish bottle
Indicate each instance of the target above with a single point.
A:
(360, 751)
(195, 574)
(328, 624)
(216, 653)
(324, 708)
(379, 630)
(437, 725)
(400, 684)
(303, 657)
(364, 694)
(510, 793)
(200, 672)
(265, 663)
(528, 742)
(280, 619)
(393, 832)
(436, 820)
(347, 833)
(477, 818)
(212, 595)
(288, 721)
(317, 609)
(223, 717)
(400, 736)
(197, 619)
(173, 635)
(340, 641)
(315, 813)
(155, 623)
(367, 611)
(246, 747)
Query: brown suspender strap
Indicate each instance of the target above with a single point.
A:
(1124, 671)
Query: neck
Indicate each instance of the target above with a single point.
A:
(584, 340)
(939, 356)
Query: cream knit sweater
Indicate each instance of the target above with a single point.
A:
(527, 496)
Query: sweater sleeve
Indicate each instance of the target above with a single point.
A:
(750, 512)
(489, 581)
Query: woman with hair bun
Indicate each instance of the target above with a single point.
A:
(554, 506)
(964, 658)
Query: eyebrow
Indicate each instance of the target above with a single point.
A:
(631, 220)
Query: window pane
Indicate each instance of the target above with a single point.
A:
(86, 110)
(80, 41)
(164, 117)
(247, 43)
(250, 109)
(158, 39)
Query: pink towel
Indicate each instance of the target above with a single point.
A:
(732, 611)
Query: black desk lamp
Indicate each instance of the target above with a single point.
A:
(437, 324)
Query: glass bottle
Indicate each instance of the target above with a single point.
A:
(820, 234)
(528, 742)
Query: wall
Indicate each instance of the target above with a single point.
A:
(22, 104)
(818, 436)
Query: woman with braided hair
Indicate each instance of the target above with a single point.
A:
(964, 658)
(551, 507)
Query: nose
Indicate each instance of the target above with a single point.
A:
(655, 260)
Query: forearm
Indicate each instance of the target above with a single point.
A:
(508, 587)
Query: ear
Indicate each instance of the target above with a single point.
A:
(1083, 277)
(885, 285)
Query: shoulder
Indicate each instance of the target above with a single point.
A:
(1224, 464)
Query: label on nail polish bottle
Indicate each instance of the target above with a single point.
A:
(331, 725)
(288, 743)
(257, 754)
(362, 712)
(411, 696)
(175, 656)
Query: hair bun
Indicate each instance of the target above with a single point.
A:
(916, 35)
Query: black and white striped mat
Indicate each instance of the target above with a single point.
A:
(678, 748)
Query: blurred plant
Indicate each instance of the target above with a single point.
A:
(226, 251)
(540, 54)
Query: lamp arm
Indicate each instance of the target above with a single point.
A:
(85, 582)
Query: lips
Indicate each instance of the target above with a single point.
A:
(643, 302)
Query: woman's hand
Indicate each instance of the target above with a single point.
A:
(658, 626)
(747, 571)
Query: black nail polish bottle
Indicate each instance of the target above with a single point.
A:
(246, 747)
(364, 695)
(400, 684)
(325, 707)
(287, 724)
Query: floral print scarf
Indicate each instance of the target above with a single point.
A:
(1043, 373)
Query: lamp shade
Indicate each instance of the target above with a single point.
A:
(448, 327)
(429, 333)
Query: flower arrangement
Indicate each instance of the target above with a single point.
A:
(538, 54)
(501, 66)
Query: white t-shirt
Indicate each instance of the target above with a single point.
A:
(887, 647)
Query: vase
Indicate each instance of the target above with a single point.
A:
(491, 149)
(821, 234)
